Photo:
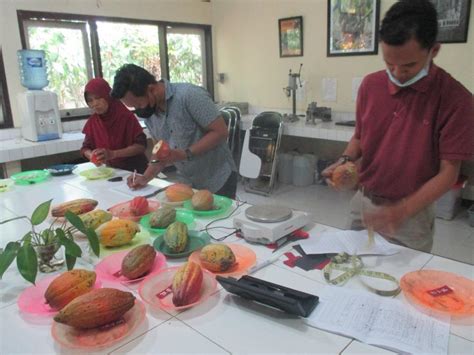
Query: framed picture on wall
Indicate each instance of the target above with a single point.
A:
(291, 36)
(353, 27)
(453, 20)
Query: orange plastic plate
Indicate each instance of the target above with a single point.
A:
(245, 258)
(440, 291)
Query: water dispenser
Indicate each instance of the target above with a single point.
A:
(40, 118)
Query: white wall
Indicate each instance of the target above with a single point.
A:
(245, 45)
(188, 11)
(245, 34)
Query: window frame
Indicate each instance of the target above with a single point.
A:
(5, 100)
(91, 20)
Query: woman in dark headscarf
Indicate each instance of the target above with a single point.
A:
(113, 134)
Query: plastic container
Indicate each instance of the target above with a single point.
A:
(303, 171)
(470, 211)
(314, 162)
(448, 205)
(33, 72)
(285, 168)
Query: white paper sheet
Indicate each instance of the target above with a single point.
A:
(124, 189)
(351, 242)
(385, 322)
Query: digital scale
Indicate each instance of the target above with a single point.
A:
(266, 224)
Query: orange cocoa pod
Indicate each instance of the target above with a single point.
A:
(202, 200)
(179, 192)
(345, 176)
(187, 283)
(96, 308)
(78, 206)
(68, 286)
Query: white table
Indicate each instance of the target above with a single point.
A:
(224, 323)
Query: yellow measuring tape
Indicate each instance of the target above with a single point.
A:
(357, 268)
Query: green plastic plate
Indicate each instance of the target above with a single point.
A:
(30, 177)
(196, 241)
(221, 204)
(97, 173)
(181, 215)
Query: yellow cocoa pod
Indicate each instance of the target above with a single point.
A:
(68, 286)
(217, 257)
(96, 308)
(95, 218)
(117, 232)
(79, 206)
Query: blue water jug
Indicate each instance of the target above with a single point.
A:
(32, 69)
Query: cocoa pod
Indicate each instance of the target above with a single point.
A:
(96, 308)
(68, 286)
(78, 206)
(187, 283)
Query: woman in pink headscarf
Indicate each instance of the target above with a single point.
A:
(113, 134)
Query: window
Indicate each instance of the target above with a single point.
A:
(5, 112)
(186, 55)
(80, 47)
(128, 43)
(68, 60)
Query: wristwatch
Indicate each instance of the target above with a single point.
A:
(189, 154)
(344, 159)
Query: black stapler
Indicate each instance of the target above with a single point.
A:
(281, 297)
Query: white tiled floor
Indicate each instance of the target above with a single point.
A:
(453, 239)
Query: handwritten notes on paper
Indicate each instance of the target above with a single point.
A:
(385, 322)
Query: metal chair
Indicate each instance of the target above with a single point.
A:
(262, 142)
(231, 116)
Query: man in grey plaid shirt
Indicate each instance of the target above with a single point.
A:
(185, 116)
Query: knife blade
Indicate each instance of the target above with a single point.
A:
(156, 192)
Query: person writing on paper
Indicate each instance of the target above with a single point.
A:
(184, 116)
(113, 135)
(414, 127)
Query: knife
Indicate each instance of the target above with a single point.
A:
(156, 192)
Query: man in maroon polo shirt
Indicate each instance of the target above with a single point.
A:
(414, 127)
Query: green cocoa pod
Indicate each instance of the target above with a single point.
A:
(162, 217)
(176, 237)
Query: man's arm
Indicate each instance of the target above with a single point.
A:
(352, 151)
(389, 218)
(216, 132)
(141, 180)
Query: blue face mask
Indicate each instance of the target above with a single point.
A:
(421, 74)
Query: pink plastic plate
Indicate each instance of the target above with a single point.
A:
(155, 284)
(99, 337)
(31, 300)
(107, 269)
(122, 210)
(245, 258)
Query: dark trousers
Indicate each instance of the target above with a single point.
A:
(230, 187)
